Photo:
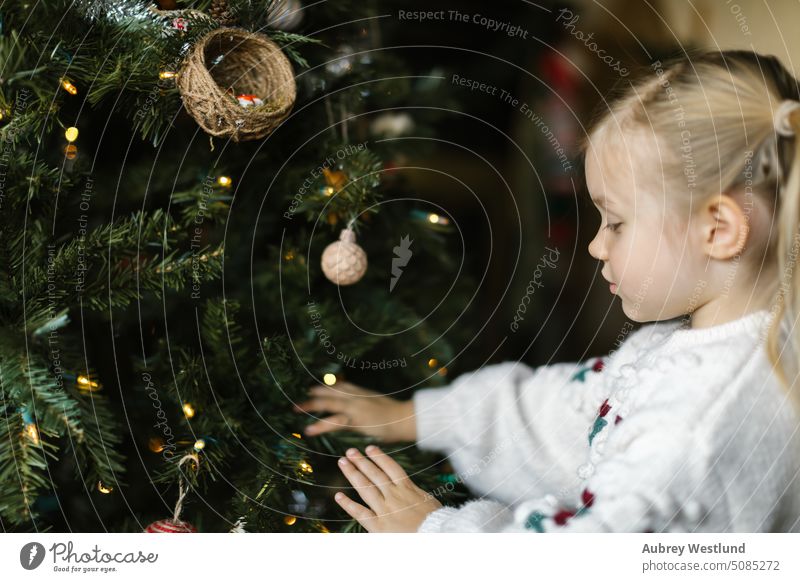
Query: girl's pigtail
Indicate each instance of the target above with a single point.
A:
(787, 124)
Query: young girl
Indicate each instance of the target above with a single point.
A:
(691, 424)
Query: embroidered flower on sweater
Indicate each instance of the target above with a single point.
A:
(600, 421)
(597, 366)
(562, 515)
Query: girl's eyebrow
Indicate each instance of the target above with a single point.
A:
(602, 202)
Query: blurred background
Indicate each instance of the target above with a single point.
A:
(523, 198)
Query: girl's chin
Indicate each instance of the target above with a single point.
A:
(632, 312)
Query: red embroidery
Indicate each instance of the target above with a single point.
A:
(605, 407)
(616, 421)
(598, 365)
(587, 497)
(562, 516)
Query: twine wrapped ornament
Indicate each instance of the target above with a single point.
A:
(228, 62)
(175, 524)
(343, 261)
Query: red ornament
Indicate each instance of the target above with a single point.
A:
(587, 497)
(170, 526)
(598, 365)
(616, 420)
(605, 407)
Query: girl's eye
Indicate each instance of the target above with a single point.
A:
(613, 227)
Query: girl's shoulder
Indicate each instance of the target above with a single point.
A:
(706, 386)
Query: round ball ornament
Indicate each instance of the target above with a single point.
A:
(343, 261)
(170, 526)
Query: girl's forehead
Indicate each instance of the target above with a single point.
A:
(607, 177)
(621, 167)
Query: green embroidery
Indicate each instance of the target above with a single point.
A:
(535, 521)
(581, 375)
(599, 423)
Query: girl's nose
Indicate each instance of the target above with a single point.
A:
(597, 247)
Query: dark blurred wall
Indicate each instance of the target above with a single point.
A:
(522, 209)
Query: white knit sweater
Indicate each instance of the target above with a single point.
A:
(677, 430)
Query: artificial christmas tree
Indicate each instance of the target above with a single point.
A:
(158, 257)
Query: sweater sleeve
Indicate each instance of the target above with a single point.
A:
(640, 486)
(509, 424)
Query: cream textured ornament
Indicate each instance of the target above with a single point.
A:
(344, 262)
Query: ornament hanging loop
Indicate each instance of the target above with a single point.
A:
(182, 483)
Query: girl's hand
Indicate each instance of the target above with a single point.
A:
(360, 410)
(395, 503)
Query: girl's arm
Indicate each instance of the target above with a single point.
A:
(649, 480)
(509, 424)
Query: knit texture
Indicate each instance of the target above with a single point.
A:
(677, 430)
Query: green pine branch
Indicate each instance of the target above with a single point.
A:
(45, 417)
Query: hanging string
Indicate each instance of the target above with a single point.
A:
(182, 489)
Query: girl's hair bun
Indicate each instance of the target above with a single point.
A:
(782, 117)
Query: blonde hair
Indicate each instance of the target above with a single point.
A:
(713, 116)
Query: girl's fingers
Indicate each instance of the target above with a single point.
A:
(321, 391)
(368, 491)
(320, 405)
(339, 389)
(389, 466)
(329, 424)
(357, 511)
(370, 469)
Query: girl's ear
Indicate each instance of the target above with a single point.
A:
(723, 225)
